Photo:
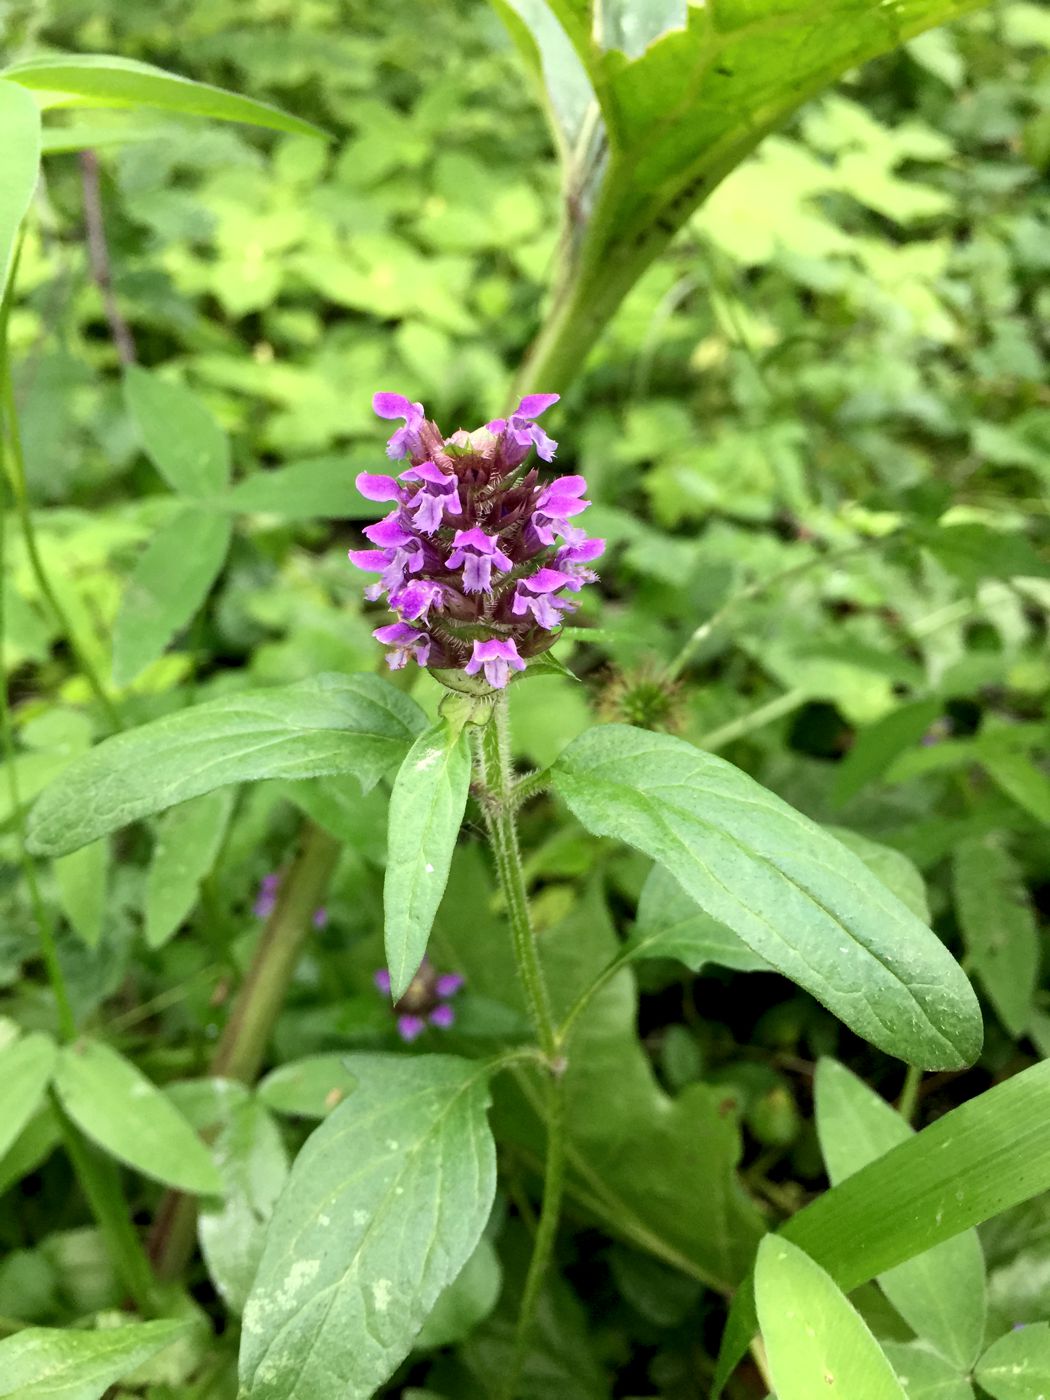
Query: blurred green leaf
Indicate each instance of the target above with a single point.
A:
(26, 1066)
(44, 1363)
(82, 878)
(19, 168)
(1017, 1366)
(318, 490)
(187, 843)
(126, 1115)
(998, 927)
(107, 80)
(181, 438)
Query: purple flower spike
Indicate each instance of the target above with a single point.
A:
(405, 439)
(476, 558)
(406, 641)
(475, 553)
(382, 980)
(410, 1028)
(449, 983)
(442, 1016)
(497, 657)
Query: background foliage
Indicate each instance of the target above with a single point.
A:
(818, 431)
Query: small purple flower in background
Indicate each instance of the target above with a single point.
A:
(427, 1001)
(477, 552)
(266, 901)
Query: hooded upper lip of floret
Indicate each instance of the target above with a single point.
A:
(477, 554)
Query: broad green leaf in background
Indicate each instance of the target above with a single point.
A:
(678, 116)
(181, 438)
(45, 1363)
(924, 1374)
(880, 742)
(308, 1088)
(105, 80)
(26, 1066)
(384, 1206)
(316, 490)
(329, 724)
(467, 1300)
(671, 925)
(188, 841)
(1017, 775)
(19, 167)
(998, 927)
(565, 89)
(796, 896)
(1017, 1366)
(990, 1153)
(253, 1162)
(426, 811)
(126, 1115)
(168, 585)
(941, 1293)
(81, 878)
(815, 1339)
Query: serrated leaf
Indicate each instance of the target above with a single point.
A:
(25, 1072)
(81, 879)
(105, 80)
(998, 927)
(1017, 1366)
(188, 841)
(181, 438)
(983, 1157)
(794, 895)
(329, 724)
(384, 1206)
(49, 1363)
(427, 804)
(167, 586)
(19, 167)
(120, 1110)
(941, 1293)
(815, 1339)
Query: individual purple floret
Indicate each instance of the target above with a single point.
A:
(427, 1001)
(477, 553)
(266, 901)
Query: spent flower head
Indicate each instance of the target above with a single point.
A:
(477, 555)
(427, 1000)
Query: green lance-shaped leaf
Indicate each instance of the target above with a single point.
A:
(19, 167)
(51, 1363)
(181, 438)
(105, 80)
(941, 1293)
(358, 725)
(671, 925)
(384, 1206)
(168, 585)
(977, 1161)
(924, 1374)
(426, 811)
(1017, 1366)
(816, 1341)
(26, 1066)
(998, 927)
(319, 489)
(308, 1088)
(126, 1115)
(792, 893)
(81, 878)
(188, 841)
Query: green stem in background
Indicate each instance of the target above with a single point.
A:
(495, 767)
(15, 463)
(100, 1181)
(758, 718)
(48, 948)
(909, 1099)
(242, 1045)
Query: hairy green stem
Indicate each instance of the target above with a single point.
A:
(242, 1045)
(501, 797)
(48, 947)
(100, 1181)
